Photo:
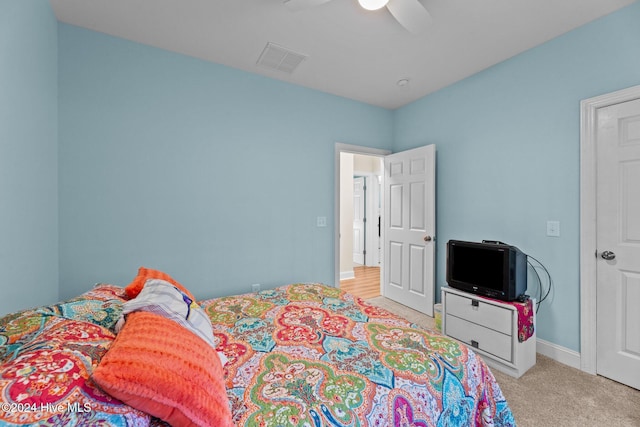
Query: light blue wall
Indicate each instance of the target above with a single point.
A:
(212, 174)
(508, 152)
(217, 175)
(28, 155)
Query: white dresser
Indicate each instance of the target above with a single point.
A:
(491, 328)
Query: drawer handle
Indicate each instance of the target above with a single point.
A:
(475, 302)
(474, 344)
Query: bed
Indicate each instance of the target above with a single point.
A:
(298, 355)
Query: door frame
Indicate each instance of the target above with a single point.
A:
(588, 220)
(354, 149)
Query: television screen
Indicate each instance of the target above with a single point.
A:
(490, 268)
(479, 266)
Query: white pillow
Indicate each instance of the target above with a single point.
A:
(161, 297)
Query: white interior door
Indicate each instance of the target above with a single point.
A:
(359, 218)
(618, 241)
(409, 228)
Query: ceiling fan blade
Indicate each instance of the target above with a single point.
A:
(296, 5)
(411, 14)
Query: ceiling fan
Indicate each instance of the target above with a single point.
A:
(411, 14)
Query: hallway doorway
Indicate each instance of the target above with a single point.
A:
(360, 276)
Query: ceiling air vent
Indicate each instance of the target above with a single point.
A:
(280, 58)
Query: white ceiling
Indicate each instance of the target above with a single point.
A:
(351, 52)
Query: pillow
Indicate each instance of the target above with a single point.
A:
(133, 289)
(157, 366)
(163, 298)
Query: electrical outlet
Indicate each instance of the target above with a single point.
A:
(321, 221)
(255, 287)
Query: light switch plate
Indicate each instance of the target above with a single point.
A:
(553, 228)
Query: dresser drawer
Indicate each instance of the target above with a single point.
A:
(488, 340)
(479, 312)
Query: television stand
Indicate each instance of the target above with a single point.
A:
(491, 328)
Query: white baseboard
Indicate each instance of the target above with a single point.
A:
(346, 275)
(558, 353)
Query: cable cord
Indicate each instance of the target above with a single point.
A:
(542, 298)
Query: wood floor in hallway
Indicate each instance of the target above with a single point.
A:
(366, 283)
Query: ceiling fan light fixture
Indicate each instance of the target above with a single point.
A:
(373, 4)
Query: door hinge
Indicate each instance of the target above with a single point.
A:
(364, 252)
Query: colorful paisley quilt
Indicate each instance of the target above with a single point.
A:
(47, 355)
(299, 355)
(311, 355)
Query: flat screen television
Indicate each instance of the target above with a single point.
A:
(492, 269)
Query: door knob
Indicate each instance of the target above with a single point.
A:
(427, 238)
(608, 255)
